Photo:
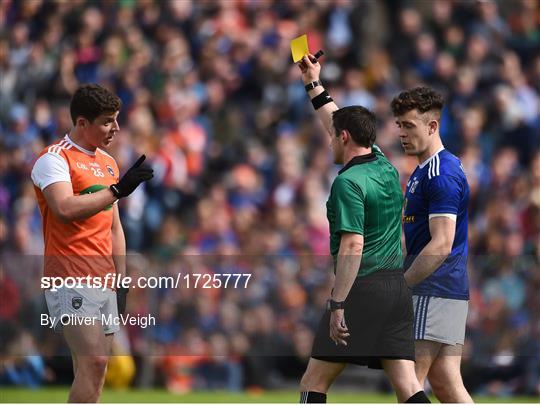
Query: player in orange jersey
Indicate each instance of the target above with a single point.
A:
(77, 186)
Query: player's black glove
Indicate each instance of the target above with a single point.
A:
(133, 177)
(121, 296)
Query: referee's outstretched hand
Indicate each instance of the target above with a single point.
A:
(135, 175)
(338, 329)
(310, 68)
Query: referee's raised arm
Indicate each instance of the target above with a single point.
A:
(322, 101)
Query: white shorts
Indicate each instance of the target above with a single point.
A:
(440, 319)
(91, 304)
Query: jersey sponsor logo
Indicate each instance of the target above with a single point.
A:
(81, 166)
(110, 170)
(76, 302)
(408, 219)
(96, 169)
(94, 189)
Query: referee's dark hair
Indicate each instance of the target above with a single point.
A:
(359, 121)
(92, 100)
(422, 98)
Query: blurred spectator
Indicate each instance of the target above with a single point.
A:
(21, 365)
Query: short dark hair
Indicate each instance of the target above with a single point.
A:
(423, 99)
(92, 100)
(359, 121)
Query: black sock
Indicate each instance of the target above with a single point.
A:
(419, 398)
(312, 397)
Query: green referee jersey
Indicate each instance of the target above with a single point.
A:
(366, 199)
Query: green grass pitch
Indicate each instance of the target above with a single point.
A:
(160, 395)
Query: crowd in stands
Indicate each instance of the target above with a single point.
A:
(243, 168)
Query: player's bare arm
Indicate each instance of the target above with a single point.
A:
(442, 230)
(68, 207)
(348, 262)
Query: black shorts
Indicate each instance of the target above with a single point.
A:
(379, 315)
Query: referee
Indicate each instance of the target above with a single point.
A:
(369, 317)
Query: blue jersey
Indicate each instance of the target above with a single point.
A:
(438, 187)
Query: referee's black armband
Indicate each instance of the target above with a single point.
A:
(321, 99)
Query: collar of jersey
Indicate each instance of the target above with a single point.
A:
(358, 160)
(425, 162)
(88, 152)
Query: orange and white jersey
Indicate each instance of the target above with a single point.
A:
(84, 247)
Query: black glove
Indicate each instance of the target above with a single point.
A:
(121, 296)
(133, 177)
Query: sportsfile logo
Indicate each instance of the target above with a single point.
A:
(113, 280)
(110, 280)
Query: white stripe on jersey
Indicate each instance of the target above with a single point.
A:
(67, 145)
(56, 148)
(434, 168)
(453, 217)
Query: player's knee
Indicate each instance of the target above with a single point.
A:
(95, 366)
(437, 378)
(439, 387)
(99, 364)
(444, 384)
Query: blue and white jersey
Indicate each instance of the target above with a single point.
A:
(438, 187)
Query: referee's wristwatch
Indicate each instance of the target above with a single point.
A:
(312, 85)
(332, 305)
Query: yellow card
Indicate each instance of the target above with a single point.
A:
(299, 48)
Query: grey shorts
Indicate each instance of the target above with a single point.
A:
(90, 305)
(440, 319)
